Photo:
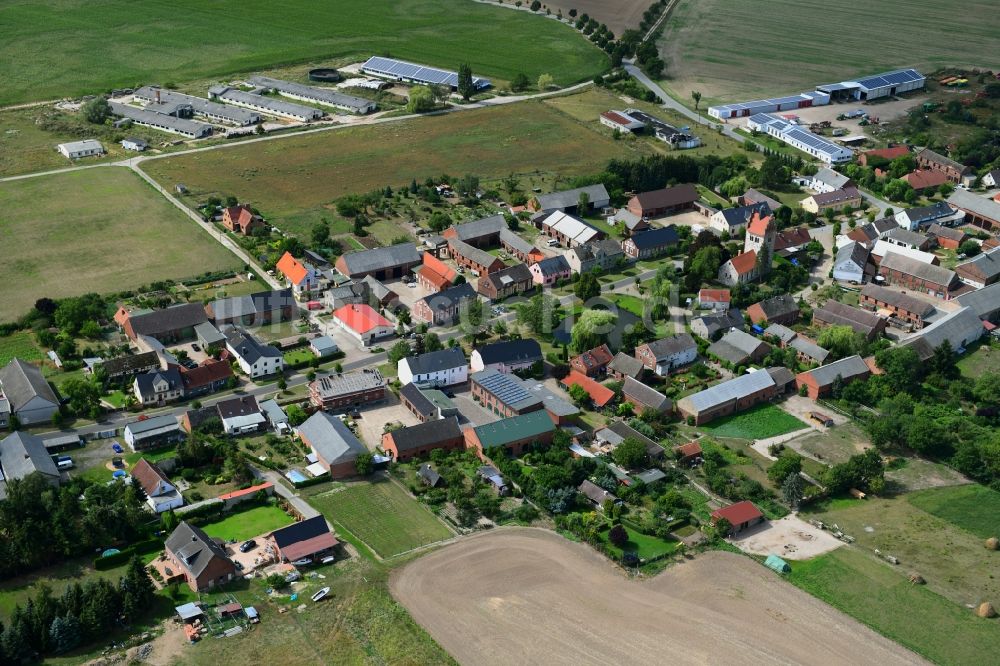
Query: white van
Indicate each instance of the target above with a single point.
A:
(66, 463)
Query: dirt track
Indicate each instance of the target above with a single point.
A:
(525, 596)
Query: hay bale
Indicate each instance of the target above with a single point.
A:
(986, 610)
(993, 543)
(917, 579)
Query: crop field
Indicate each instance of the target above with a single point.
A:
(244, 525)
(295, 180)
(618, 16)
(886, 601)
(528, 596)
(118, 43)
(383, 516)
(761, 422)
(98, 230)
(953, 561)
(971, 507)
(708, 45)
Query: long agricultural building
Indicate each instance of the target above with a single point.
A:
(315, 95)
(199, 106)
(400, 70)
(802, 139)
(189, 128)
(886, 84)
(265, 104)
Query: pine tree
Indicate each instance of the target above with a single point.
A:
(791, 490)
(64, 634)
(466, 88)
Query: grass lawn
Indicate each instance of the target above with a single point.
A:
(295, 179)
(298, 355)
(644, 545)
(78, 232)
(812, 45)
(971, 507)
(633, 304)
(986, 358)
(115, 399)
(834, 445)
(383, 516)
(244, 525)
(155, 455)
(20, 344)
(886, 601)
(761, 422)
(42, 38)
(953, 561)
(386, 231)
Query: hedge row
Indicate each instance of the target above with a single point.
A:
(123, 556)
(316, 480)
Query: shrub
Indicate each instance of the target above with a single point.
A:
(618, 536)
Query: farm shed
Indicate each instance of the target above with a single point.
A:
(778, 564)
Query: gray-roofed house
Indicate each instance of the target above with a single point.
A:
(896, 304)
(663, 356)
(783, 334)
(808, 351)
(445, 367)
(984, 302)
(982, 270)
(651, 243)
(158, 387)
(258, 309)
(568, 201)
(645, 397)
(323, 346)
(165, 122)
(819, 382)
(781, 309)
(597, 495)
(29, 397)
(979, 211)
(129, 365)
(828, 180)
(429, 476)
(623, 365)
(382, 263)
(628, 221)
(256, 359)
(502, 394)
(835, 313)
(241, 415)
(208, 335)
(173, 324)
(444, 307)
(153, 432)
(419, 440)
(729, 397)
(199, 558)
(909, 239)
(470, 257)
(550, 270)
(712, 325)
(734, 220)
(850, 262)
(334, 444)
(898, 269)
(266, 104)
(276, 416)
(509, 281)
(617, 432)
(507, 356)
(481, 233)
(23, 454)
(923, 216)
(325, 96)
(739, 348)
(959, 328)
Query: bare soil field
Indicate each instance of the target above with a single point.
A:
(565, 604)
(618, 15)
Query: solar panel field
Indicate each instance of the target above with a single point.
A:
(733, 50)
(52, 50)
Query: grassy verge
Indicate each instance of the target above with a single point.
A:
(912, 615)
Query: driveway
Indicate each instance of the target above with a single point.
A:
(373, 420)
(474, 414)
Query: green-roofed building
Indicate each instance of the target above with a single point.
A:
(513, 434)
(445, 407)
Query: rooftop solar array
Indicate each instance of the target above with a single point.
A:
(886, 79)
(795, 133)
(506, 388)
(401, 69)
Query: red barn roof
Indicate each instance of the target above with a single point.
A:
(360, 317)
(292, 268)
(600, 394)
(744, 262)
(739, 513)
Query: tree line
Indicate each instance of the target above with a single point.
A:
(83, 614)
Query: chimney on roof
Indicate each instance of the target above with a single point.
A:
(157, 95)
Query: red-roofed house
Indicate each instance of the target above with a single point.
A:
(435, 275)
(241, 220)
(302, 277)
(306, 539)
(209, 377)
(885, 153)
(600, 394)
(593, 363)
(161, 495)
(714, 299)
(687, 453)
(229, 500)
(363, 322)
(922, 180)
(742, 516)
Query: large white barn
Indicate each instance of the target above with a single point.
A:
(800, 138)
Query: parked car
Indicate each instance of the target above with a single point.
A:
(305, 561)
(195, 346)
(329, 559)
(248, 545)
(117, 448)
